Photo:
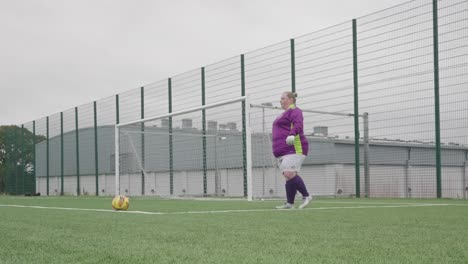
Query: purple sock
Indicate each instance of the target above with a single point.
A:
(291, 190)
(300, 186)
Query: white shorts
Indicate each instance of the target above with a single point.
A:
(290, 162)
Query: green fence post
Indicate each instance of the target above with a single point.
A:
(47, 157)
(117, 121)
(171, 161)
(117, 114)
(61, 153)
(6, 181)
(16, 158)
(293, 66)
(96, 159)
(22, 191)
(77, 140)
(436, 98)
(205, 181)
(244, 135)
(10, 161)
(33, 188)
(356, 113)
(142, 94)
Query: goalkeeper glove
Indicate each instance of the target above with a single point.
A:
(290, 140)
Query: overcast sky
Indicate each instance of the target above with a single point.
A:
(56, 54)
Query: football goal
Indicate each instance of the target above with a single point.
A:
(198, 152)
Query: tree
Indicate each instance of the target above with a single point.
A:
(17, 159)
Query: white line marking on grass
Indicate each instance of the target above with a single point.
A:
(358, 202)
(227, 211)
(57, 208)
(315, 208)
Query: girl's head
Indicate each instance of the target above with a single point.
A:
(287, 99)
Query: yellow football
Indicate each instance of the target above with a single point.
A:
(120, 202)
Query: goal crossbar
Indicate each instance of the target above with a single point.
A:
(225, 102)
(306, 110)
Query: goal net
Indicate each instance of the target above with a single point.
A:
(224, 150)
(199, 152)
(330, 166)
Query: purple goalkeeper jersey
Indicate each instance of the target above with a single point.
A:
(290, 122)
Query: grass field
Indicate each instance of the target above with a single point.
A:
(85, 230)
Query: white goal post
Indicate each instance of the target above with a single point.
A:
(245, 137)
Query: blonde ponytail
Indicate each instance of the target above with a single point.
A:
(291, 95)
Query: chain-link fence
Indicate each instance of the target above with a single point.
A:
(385, 101)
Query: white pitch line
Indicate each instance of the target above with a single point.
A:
(225, 211)
(372, 203)
(315, 208)
(56, 208)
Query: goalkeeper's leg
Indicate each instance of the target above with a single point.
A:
(291, 190)
(306, 197)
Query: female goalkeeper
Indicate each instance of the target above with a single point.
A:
(290, 148)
